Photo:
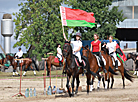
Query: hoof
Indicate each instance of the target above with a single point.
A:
(34, 74)
(13, 75)
(18, 74)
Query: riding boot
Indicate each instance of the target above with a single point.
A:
(116, 64)
(102, 63)
(84, 70)
(60, 63)
(18, 63)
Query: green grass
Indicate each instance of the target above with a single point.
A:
(29, 74)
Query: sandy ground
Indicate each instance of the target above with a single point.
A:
(8, 88)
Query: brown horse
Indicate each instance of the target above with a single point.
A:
(73, 70)
(51, 61)
(28, 63)
(121, 69)
(94, 67)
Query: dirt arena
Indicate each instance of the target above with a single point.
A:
(8, 88)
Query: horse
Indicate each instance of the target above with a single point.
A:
(121, 69)
(24, 62)
(95, 67)
(52, 60)
(73, 70)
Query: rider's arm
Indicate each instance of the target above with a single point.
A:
(114, 48)
(99, 47)
(91, 48)
(78, 49)
(65, 37)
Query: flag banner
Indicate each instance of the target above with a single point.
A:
(76, 17)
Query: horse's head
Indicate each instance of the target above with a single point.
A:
(67, 49)
(86, 51)
(8, 57)
(131, 56)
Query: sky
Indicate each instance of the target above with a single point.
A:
(10, 6)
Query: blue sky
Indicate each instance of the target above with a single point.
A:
(10, 6)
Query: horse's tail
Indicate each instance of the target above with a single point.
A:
(126, 74)
(35, 65)
(112, 71)
(47, 69)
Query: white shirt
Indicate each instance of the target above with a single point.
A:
(59, 51)
(76, 45)
(19, 54)
(111, 46)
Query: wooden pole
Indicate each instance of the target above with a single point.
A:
(20, 78)
(2, 50)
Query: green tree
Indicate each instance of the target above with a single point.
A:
(38, 24)
(107, 19)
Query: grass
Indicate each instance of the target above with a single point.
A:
(29, 74)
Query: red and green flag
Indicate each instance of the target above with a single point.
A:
(76, 17)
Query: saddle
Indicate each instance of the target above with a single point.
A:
(78, 62)
(119, 64)
(99, 60)
(56, 60)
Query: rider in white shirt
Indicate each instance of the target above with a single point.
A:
(19, 55)
(59, 54)
(77, 45)
(112, 50)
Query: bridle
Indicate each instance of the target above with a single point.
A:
(65, 49)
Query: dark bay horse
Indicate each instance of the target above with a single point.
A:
(27, 63)
(121, 69)
(73, 70)
(94, 65)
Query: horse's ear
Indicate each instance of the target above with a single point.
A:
(86, 46)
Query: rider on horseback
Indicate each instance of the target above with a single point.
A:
(19, 55)
(96, 48)
(59, 54)
(112, 50)
(77, 45)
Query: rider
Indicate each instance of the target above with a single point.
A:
(112, 50)
(59, 54)
(96, 48)
(19, 55)
(77, 45)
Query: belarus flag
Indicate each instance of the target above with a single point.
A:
(76, 17)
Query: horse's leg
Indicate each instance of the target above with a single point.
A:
(25, 70)
(73, 79)
(33, 70)
(106, 81)
(122, 73)
(109, 80)
(14, 70)
(78, 82)
(91, 86)
(67, 85)
(88, 82)
(98, 85)
(103, 82)
(112, 81)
